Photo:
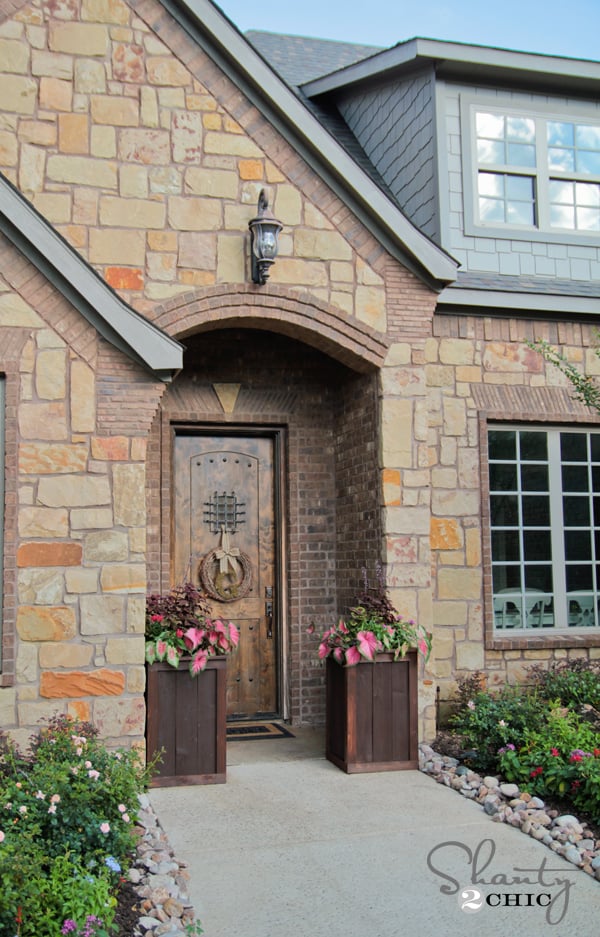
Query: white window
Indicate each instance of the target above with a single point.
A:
(545, 527)
(536, 172)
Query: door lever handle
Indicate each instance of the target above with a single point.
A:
(269, 617)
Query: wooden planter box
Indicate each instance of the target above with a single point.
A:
(187, 717)
(372, 714)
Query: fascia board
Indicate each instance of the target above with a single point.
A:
(553, 304)
(396, 227)
(113, 317)
(459, 55)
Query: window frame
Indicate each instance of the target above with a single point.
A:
(541, 113)
(530, 638)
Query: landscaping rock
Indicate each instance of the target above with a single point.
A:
(505, 803)
(566, 819)
(160, 880)
(573, 855)
(509, 790)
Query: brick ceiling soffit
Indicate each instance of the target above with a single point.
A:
(234, 54)
(113, 318)
(533, 402)
(276, 309)
(185, 396)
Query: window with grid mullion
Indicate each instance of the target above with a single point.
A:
(551, 165)
(545, 527)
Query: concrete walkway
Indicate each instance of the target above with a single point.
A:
(291, 846)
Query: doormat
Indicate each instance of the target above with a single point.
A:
(251, 731)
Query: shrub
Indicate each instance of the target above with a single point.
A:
(488, 721)
(575, 683)
(67, 810)
(559, 758)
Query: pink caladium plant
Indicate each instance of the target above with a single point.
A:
(372, 626)
(179, 624)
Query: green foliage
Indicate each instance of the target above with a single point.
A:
(194, 929)
(67, 809)
(585, 387)
(488, 721)
(373, 625)
(559, 758)
(178, 624)
(537, 736)
(575, 683)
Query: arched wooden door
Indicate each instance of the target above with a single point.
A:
(225, 539)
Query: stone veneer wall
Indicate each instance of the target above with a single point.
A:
(75, 520)
(149, 160)
(479, 369)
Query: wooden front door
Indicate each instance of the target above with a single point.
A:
(224, 539)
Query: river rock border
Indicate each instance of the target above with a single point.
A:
(160, 880)
(564, 834)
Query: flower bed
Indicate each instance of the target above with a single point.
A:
(504, 802)
(545, 737)
(68, 810)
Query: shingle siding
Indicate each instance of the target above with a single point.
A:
(394, 123)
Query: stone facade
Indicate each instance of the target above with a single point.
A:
(74, 557)
(479, 370)
(149, 161)
(147, 158)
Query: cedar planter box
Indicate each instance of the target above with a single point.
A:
(371, 722)
(186, 716)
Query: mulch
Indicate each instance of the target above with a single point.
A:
(128, 910)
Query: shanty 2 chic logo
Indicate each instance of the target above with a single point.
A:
(541, 887)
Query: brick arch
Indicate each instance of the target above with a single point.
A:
(273, 308)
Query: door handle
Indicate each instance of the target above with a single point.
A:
(269, 617)
(269, 610)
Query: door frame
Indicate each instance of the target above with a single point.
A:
(278, 435)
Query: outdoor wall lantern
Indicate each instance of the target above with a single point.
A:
(264, 233)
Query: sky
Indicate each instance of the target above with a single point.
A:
(546, 26)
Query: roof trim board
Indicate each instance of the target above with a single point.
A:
(485, 300)
(221, 39)
(111, 316)
(455, 58)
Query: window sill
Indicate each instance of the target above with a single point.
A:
(527, 640)
(507, 232)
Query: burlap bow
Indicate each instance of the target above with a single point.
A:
(226, 555)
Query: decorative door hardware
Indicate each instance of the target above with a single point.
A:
(269, 610)
(224, 512)
(226, 572)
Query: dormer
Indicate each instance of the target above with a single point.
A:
(493, 154)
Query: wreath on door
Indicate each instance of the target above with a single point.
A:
(226, 573)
